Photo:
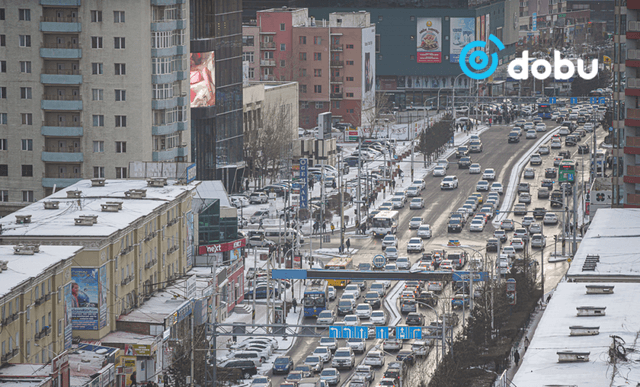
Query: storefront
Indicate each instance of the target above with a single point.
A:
(221, 253)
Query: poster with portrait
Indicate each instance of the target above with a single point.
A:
(68, 313)
(103, 289)
(368, 72)
(202, 74)
(462, 32)
(85, 298)
(429, 40)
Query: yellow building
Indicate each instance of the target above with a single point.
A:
(33, 283)
(137, 235)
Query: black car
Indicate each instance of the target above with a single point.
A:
(523, 187)
(583, 149)
(539, 212)
(415, 319)
(395, 370)
(428, 298)
(492, 245)
(373, 299)
(279, 190)
(454, 225)
(282, 365)
(550, 172)
(406, 356)
(565, 154)
(246, 368)
(571, 141)
(513, 137)
(464, 162)
(547, 183)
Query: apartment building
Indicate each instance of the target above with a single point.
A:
(137, 237)
(88, 86)
(332, 60)
(36, 302)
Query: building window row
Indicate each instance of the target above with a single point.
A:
(170, 141)
(166, 39)
(168, 64)
(169, 116)
(163, 91)
(27, 196)
(96, 16)
(162, 14)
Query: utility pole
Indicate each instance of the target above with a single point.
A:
(320, 228)
(412, 146)
(542, 266)
(358, 193)
(193, 349)
(574, 245)
(564, 224)
(341, 190)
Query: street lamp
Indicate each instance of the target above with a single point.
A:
(444, 326)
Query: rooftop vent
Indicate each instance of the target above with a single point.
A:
(591, 311)
(590, 263)
(111, 207)
(578, 330)
(572, 357)
(157, 182)
(22, 219)
(136, 193)
(4, 264)
(98, 182)
(74, 194)
(119, 204)
(23, 250)
(599, 289)
(86, 220)
(52, 205)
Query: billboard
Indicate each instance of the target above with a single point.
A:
(68, 313)
(462, 32)
(88, 296)
(429, 40)
(483, 36)
(368, 70)
(190, 237)
(103, 289)
(324, 126)
(487, 30)
(202, 74)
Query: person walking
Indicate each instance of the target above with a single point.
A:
(348, 244)
(516, 358)
(324, 227)
(333, 227)
(357, 226)
(294, 303)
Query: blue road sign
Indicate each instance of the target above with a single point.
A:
(593, 100)
(382, 332)
(611, 128)
(602, 100)
(406, 333)
(348, 332)
(552, 100)
(335, 332)
(362, 332)
(466, 275)
(574, 100)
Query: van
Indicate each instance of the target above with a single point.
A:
(253, 356)
(286, 234)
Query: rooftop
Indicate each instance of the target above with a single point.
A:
(61, 221)
(21, 268)
(119, 337)
(540, 366)
(614, 237)
(86, 362)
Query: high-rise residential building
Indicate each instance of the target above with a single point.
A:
(86, 87)
(332, 60)
(216, 122)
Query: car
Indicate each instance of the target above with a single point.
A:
(539, 212)
(332, 293)
(508, 252)
(389, 241)
(540, 127)
(392, 345)
(564, 131)
(365, 372)
(415, 245)
(346, 306)
(414, 190)
(363, 311)
(521, 233)
(424, 231)
(547, 183)
(496, 187)
(406, 356)
(408, 305)
(331, 376)
(391, 267)
(352, 288)
(449, 182)
(489, 174)
(520, 209)
(524, 198)
(538, 241)
(571, 141)
(416, 204)
(520, 123)
(403, 263)
(535, 159)
(415, 222)
(323, 353)
(421, 183)
(550, 218)
(282, 365)
(507, 225)
(261, 381)
(259, 241)
(462, 151)
(492, 245)
(246, 368)
(379, 287)
(557, 160)
(397, 202)
(258, 197)
(583, 149)
(550, 173)
(435, 286)
(258, 216)
(475, 146)
(326, 317)
(543, 193)
(475, 169)
(415, 319)
(443, 163)
(543, 150)
(344, 358)
(296, 376)
(513, 137)
(555, 144)
(523, 187)
(262, 291)
(501, 235)
(567, 188)
(529, 173)
(531, 134)
(454, 225)
(358, 345)
(464, 162)
(439, 171)
(517, 244)
(378, 317)
(374, 358)
(373, 299)
(476, 225)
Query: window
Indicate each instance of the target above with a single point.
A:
(118, 43)
(27, 196)
(60, 327)
(303, 56)
(27, 170)
(25, 40)
(336, 104)
(251, 73)
(24, 14)
(27, 144)
(317, 72)
(2, 15)
(268, 55)
(96, 42)
(319, 105)
(3, 40)
(98, 172)
(96, 16)
(3, 144)
(3, 66)
(349, 63)
(303, 72)
(98, 120)
(3, 92)
(27, 118)
(303, 88)
(118, 16)
(121, 147)
(162, 39)
(350, 79)
(4, 195)
(349, 46)
(121, 95)
(4, 170)
(349, 94)
(283, 63)
(248, 41)
(317, 56)
(98, 146)
(162, 91)
(121, 121)
(120, 69)
(380, 18)
(97, 94)
(317, 89)
(25, 93)
(247, 56)
(317, 40)
(3, 119)
(304, 105)
(283, 47)
(25, 67)
(96, 68)
(121, 173)
(282, 26)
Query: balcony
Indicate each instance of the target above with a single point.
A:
(633, 87)
(336, 95)
(337, 47)
(61, 77)
(337, 79)
(168, 51)
(61, 3)
(337, 63)
(168, 25)
(55, 154)
(162, 104)
(267, 45)
(632, 146)
(61, 51)
(166, 2)
(61, 102)
(633, 174)
(60, 180)
(268, 77)
(633, 117)
(54, 129)
(267, 62)
(60, 24)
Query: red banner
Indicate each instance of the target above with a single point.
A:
(221, 247)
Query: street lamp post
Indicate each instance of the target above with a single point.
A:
(444, 326)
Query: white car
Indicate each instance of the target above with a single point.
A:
(391, 253)
(398, 202)
(496, 187)
(389, 241)
(326, 317)
(415, 222)
(550, 218)
(477, 225)
(449, 182)
(444, 163)
(489, 174)
(540, 127)
(517, 244)
(421, 183)
(323, 352)
(439, 171)
(416, 204)
(352, 319)
(415, 244)
(556, 144)
(379, 317)
(424, 231)
(353, 288)
(475, 168)
(531, 134)
(482, 185)
(414, 190)
(403, 263)
(239, 201)
(508, 252)
(364, 311)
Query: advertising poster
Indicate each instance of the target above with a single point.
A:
(68, 313)
(429, 40)
(368, 72)
(202, 78)
(487, 32)
(478, 28)
(190, 238)
(463, 30)
(85, 298)
(103, 289)
(483, 37)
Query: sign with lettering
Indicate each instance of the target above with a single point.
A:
(222, 247)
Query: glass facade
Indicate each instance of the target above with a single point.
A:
(213, 229)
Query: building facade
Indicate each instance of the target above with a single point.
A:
(87, 87)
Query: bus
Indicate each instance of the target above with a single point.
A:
(339, 264)
(544, 110)
(316, 298)
(567, 171)
(384, 222)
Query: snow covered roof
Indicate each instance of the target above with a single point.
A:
(540, 366)
(207, 192)
(21, 268)
(61, 221)
(614, 237)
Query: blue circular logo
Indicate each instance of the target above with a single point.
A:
(478, 59)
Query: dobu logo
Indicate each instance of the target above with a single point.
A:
(478, 60)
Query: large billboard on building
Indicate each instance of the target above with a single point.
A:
(463, 30)
(68, 313)
(429, 40)
(202, 79)
(368, 72)
(88, 298)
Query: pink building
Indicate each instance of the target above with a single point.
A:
(332, 60)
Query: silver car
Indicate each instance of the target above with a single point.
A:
(326, 317)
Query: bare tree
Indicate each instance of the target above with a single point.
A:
(275, 136)
(372, 116)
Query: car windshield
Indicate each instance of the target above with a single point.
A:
(371, 295)
(344, 303)
(424, 228)
(360, 307)
(377, 314)
(261, 380)
(389, 239)
(391, 250)
(325, 313)
(282, 361)
(448, 179)
(328, 372)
